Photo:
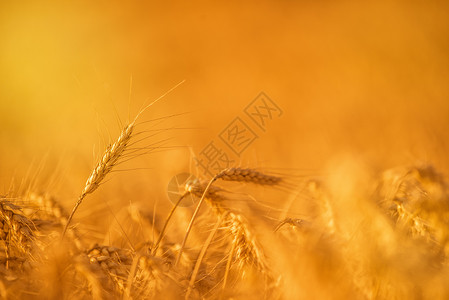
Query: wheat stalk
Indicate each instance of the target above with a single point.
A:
(195, 188)
(201, 256)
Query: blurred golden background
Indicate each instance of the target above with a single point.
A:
(367, 80)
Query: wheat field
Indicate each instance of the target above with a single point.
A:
(212, 150)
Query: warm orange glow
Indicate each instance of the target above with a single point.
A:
(355, 88)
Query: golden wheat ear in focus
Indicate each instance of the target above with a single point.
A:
(110, 158)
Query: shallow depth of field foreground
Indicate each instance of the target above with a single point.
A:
(257, 150)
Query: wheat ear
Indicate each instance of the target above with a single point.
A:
(15, 228)
(248, 175)
(109, 159)
(230, 174)
(103, 167)
(114, 262)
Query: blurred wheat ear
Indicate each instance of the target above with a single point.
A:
(109, 159)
